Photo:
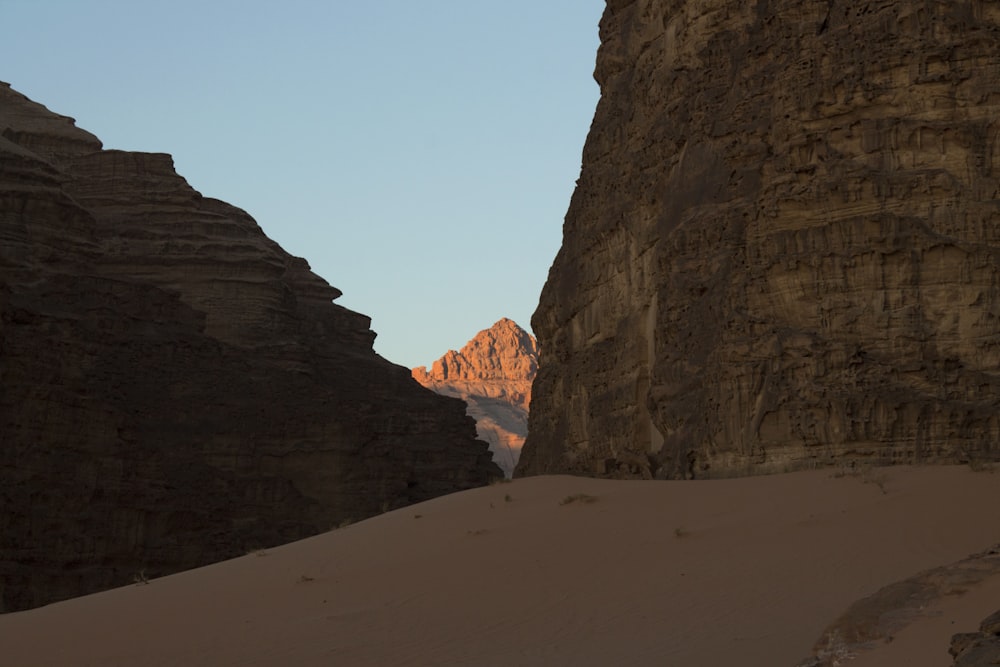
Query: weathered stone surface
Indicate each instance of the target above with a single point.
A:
(493, 375)
(875, 619)
(978, 649)
(991, 624)
(176, 389)
(784, 248)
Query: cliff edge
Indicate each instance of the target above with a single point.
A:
(177, 389)
(784, 247)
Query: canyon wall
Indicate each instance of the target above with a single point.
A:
(784, 247)
(177, 389)
(492, 373)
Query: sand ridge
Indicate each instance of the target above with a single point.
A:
(741, 571)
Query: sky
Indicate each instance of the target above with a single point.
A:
(420, 155)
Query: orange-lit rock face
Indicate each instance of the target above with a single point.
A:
(175, 388)
(493, 375)
(784, 249)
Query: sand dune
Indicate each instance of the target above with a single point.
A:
(744, 571)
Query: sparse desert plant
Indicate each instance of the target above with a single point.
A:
(843, 471)
(578, 498)
(418, 516)
(877, 477)
(680, 532)
(305, 578)
(501, 480)
(478, 532)
(345, 523)
(507, 498)
(981, 465)
(867, 473)
(140, 578)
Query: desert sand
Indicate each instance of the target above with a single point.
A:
(743, 571)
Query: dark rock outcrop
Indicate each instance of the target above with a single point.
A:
(493, 375)
(176, 389)
(784, 247)
(978, 649)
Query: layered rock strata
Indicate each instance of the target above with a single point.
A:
(177, 389)
(493, 375)
(784, 247)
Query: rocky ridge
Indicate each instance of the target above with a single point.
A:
(783, 250)
(877, 618)
(492, 373)
(177, 389)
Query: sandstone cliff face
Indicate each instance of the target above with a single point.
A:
(784, 248)
(176, 389)
(493, 375)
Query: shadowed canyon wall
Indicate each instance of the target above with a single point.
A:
(176, 389)
(784, 246)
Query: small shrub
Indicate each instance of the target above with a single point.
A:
(981, 465)
(680, 532)
(879, 479)
(867, 473)
(842, 471)
(507, 498)
(140, 578)
(578, 498)
(305, 578)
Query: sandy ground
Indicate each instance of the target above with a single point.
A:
(745, 571)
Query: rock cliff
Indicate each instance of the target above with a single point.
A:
(784, 246)
(493, 375)
(176, 389)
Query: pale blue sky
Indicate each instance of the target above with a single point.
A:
(420, 155)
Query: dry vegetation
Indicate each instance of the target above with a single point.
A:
(582, 498)
(868, 474)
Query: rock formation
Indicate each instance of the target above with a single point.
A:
(784, 246)
(978, 649)
(877, 618)
(493, 375)
(176, 389)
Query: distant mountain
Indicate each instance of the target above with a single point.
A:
(493, 375)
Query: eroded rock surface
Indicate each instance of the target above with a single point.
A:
(493, 375)
(784, 248)
(176, 389)
(874, 619)
(978, 649)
